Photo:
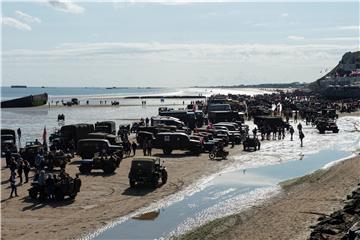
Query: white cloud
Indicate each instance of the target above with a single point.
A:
(284, 14)
(14, 23)
(296, 38)
(66, 6)
(26, 17)
(351, 27)
(181, 52)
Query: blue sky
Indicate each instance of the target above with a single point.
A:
(60, 43)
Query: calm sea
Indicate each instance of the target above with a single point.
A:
(63, 92)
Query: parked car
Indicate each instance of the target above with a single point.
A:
(147, 171)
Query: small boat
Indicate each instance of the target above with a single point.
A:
(18, 86)
(28, 101)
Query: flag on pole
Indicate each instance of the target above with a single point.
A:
(44, 135)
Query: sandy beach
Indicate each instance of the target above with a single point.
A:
(101, 199)
(290, 214)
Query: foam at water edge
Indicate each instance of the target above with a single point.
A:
(231, 206)
(331, 164)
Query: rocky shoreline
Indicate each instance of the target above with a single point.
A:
(342, 224)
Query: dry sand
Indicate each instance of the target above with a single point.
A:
(288, 215)
(101, 199)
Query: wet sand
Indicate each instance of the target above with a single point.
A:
(290, 214)
(101, 199)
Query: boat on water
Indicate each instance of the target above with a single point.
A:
(18, 86)
(28, 101)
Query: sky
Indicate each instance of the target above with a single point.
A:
(173, 44)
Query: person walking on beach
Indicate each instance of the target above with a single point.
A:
(295, 117)
(20, 170)
(26, 167)
(299, 127)
(147, 121)
(13, 184)
(19, 136)
(149, 147)
(291, 129)
(134, 146)
(254, 131)
(144, 145)
(7, 156)
(301, 136)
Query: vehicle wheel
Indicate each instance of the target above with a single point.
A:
(167, 151)
(164, 177)
(322, 132)
(132, 183)
(109, 168)
(73, 195)
(212, 155)
(245, 148)
(85, 168)
(336, 131)
(59, 195)
(155, 182)
(33, 193)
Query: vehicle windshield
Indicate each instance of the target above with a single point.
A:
(148, 165)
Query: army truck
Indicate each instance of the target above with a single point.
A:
(169, 141)
(147, 171)
(87, 148)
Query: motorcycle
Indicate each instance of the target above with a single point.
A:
(218, 153)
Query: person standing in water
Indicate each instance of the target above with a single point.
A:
(301, 136)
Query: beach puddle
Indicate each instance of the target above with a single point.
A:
(148, 216)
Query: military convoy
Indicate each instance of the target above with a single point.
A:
(147, 171)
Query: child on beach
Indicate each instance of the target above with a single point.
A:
(13, 184)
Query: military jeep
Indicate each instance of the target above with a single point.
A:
(108, 163)
(324, 125)
(56, 158)
(64, 186)
(147, 171)
(251, 143)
